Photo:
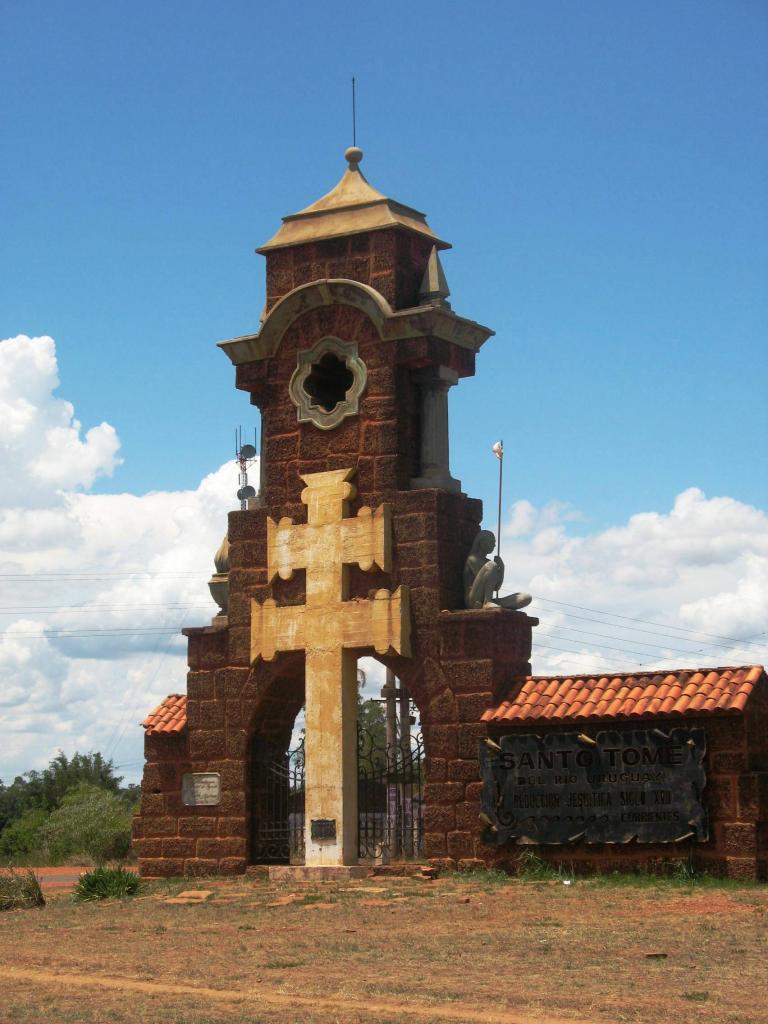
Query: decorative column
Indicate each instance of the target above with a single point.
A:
(435, 471)
(260, 499)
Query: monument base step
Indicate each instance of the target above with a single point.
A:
(405, 869)
(317, 873)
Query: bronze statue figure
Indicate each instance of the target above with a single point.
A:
(483, 577)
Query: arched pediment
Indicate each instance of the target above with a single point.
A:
(327, 292)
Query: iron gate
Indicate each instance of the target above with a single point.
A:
(390, 808)
(277, 803)
(389, 800)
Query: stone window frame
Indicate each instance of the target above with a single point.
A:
(307, 410)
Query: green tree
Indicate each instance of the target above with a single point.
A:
(131, 794)
(91, 821)
(23, 836)
(372, 733)
(45, 789)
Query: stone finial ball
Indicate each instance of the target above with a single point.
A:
(353, 155)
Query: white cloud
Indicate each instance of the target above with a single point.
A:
(742, 608)
(697, 575)
(41, 448)
(123, 650)
(32, 674)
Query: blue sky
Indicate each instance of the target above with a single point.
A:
(599, 167)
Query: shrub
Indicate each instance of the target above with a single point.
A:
(89, 821)
(23, 836)
(20, 889)
(106, 883)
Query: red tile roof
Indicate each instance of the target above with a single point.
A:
(574, 698)
(170, 716)
(626, 695)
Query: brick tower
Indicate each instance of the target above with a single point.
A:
(350, 369)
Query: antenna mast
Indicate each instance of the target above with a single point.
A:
(244, 456)
(354, 117)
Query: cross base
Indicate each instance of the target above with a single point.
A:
(317, 873)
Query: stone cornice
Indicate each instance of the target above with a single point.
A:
(421, 321)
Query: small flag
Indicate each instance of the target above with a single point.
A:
(498, 450)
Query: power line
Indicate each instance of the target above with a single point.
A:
(630, 666)
(134, 694)
(98, 572)
(605, 647)
(64, 580)
(648, 622)
(642, 643)
(651, 632)
(77, 634)
(77, 609)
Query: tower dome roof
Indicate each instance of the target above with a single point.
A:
(351, 207)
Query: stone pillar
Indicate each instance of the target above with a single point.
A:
(435, 470)
(330, 747)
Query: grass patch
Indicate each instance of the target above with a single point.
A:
(531, 868)
(317, 897)
(696, 997)
(20, 889)
(483, 876)
(106, 884)
(677, 880)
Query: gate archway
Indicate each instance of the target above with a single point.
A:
(390, 799)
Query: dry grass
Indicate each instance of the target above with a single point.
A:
(462, 950)
(20, 889)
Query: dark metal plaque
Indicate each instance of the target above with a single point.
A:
(323, 828)
(634, 784)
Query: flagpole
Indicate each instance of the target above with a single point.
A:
(498, 451)
(499, 536)
(501, 466)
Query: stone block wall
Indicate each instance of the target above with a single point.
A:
(736, 796)
(392, 261)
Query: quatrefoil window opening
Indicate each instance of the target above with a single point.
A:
(327, 383)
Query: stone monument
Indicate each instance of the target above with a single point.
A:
(355, 545)
(361, 542)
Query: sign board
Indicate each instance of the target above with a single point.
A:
(323, 828)
(201, 789)
(635, 784)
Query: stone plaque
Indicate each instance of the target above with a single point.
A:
(636, 784)
(323, 828)
(201, 789)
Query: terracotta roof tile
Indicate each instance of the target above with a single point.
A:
(628, 695)
(654, 704)
(739, 702)
(170, 716)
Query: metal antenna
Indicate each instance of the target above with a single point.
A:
(354, 115)
(244, 455)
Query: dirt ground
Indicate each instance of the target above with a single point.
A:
(381, 951)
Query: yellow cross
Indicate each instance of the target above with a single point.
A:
(329, 627)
